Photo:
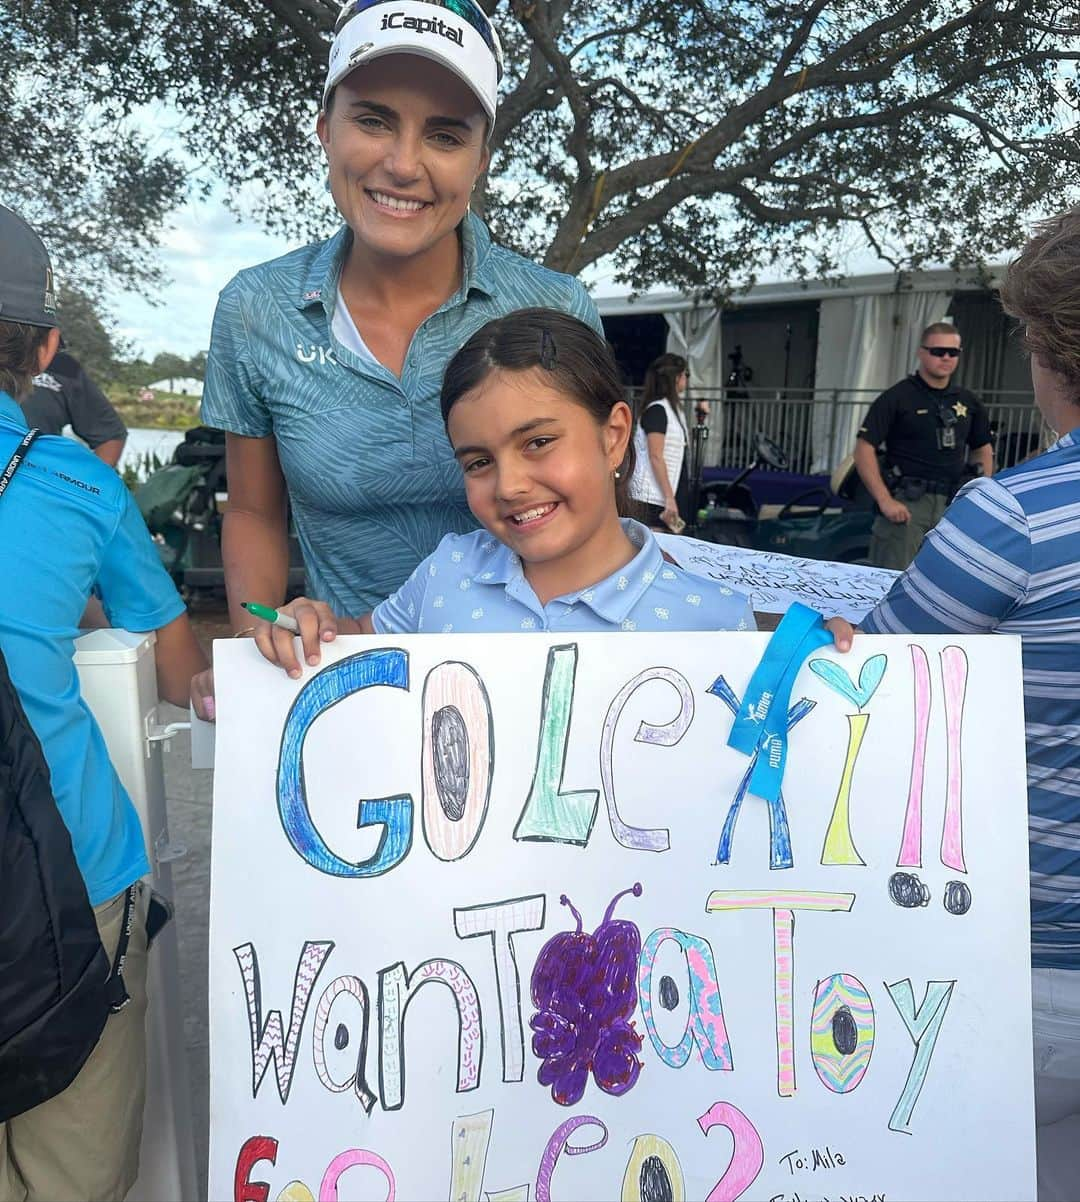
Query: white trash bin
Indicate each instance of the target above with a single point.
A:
(119, 683)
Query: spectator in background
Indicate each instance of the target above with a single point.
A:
(64, 395)
(660, 443)
(931, 430)
(1006, 557)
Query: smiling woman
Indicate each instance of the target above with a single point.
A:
(325, 365)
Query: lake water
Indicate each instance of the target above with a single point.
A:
(141, 443)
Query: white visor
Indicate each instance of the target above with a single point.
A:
(413, 27)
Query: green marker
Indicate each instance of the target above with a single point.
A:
(271, 615)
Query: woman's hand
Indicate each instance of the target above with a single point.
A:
(318, 624)
(842, 631)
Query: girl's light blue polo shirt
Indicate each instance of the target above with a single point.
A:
(473, 583)
(67, 525)
(371, 477)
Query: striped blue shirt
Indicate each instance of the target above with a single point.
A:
(1006, 557)
(371, 477)
(474, 584)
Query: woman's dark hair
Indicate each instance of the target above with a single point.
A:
(577, 361)
(20, 346)
(661, 380)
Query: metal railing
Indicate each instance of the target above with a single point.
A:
(816, 429)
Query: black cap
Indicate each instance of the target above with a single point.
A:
(27, 294)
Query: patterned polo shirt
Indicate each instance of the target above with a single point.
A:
(1006, 557)
(371, 478)
(473, 583)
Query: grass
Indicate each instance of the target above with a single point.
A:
(167, 411)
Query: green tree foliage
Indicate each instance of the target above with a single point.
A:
(694, 141)
(167, 366)
(95, 189)
(86, 334)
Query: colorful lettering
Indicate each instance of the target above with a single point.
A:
(551, 815)
(747, 1156)
(841, 1032)
(705, 1025)
(328, 1191)
(924, 1026)
(911, 840)
(396, 990)
(458, 759)
(560, 1143)
(268, 1040)
(779, 833)
(349, 987)
(653, 1172)
(258, 1147)
(395, 814)
(500, 921)
(665, 735)
(783, 904)
(954, 670)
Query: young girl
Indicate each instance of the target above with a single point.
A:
(536, 419)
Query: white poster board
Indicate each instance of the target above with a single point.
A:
(825, 997)
(772, 581)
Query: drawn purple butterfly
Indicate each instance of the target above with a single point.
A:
(584, 988)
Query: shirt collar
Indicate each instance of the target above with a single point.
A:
(611, 599)
(320, 282)
(319, 285)
(1066, 441)
(476, 254)
(11, 411)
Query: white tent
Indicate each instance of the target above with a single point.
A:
(868, 328)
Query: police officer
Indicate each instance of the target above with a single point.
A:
(935, 435)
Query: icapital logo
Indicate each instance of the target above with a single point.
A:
(422, 25)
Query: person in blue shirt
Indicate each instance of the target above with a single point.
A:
(324, 365)
(68, 526)
(1006, 558)
(542, 436)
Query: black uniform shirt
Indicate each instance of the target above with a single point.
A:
(66, 396)
(909, 417)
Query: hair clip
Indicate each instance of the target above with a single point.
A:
(549, 356)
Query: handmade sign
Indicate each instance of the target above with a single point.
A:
(772, 581)
(495, 918)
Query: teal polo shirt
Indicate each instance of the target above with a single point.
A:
(371, 478)
(67, 526)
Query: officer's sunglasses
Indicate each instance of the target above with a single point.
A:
(465, 9)
(943, 352)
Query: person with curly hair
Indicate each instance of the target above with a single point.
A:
(1006, 557)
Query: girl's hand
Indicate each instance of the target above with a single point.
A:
(318, 625)
(842, 632)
